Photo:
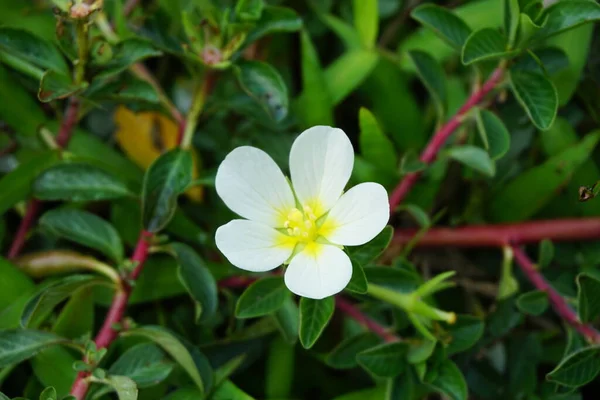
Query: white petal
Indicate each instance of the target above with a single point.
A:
(321, 162)
(358, 216)
(253, 246)
(318, 272)
(253, 186)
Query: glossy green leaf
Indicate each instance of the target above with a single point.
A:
(77, 316)
(198, 281)
(263, 297)
(588, 297)
(358, 282)
(249, 10)
(493, 133)
(374, 144)
(433, 77)
(565, 15)
(264, 84)
(343, 356)
(173, 347)
(48, 394)
(127, 53)
(448, 26)
(533, 188)
(146, 364)
(370, 251)
(288, 320)
(545, 253)
(123, 90)
(578, 368)
(366, 20)
(465, 332)
(17, 345)
(167, 178)
(15, 289)
(512, 14)
(419, 352)
(537, 95)
(42, 302)
(348, 71)
(55, 86)
(124, 386)
(473, 157)
(314, 317)
(534, 303)
(78, 182)
(229, 391)
(450, 381)
(84, 228)
(54, 366)
(33, 49)
(275, 19)
(386, 360)
(485, 44)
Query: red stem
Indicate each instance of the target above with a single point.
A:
(505, 234)
(129, 7)
(440, 137)
(68, 123)
(353, 312)
(107, 333)
(558, 302)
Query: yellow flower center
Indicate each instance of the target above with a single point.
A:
(302, 225)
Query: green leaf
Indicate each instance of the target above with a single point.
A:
(370, 251)
(86, 229)
(229, 391)
(366, 21)
(411, 163)
(512, 13)
(348, 71)
(168, 177)
(565, 15)
(124, 386)
(485, 44)
(275, 19)
(588, 297)
(473, 157)
(374, 144)
(249, 10)
(77, 316)
(465, 332)
(263, 83)
(419, 352)
(433, 77)
(33, 49)
(534, 303)
(263, 297)
(55, 86)
(198, 281)
(344, 354)
(578, 368)
(125, 90)
(50, 296)
(493, 133)
(54, 366)
(279, 370)
(532, 189)
(287, 319)
(146, 364)
(314, 317)
(48, 394)
(127, 53)
(444, 23)
(537, 95)
(173, 347)
(546, 253)
(386, 360)
(16, 185)
(78, 182)
(450, 381)
(17, 345)
(358, 282)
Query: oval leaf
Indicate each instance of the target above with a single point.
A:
(263, 83)
(473, 157)
(485, 44)
(444, 23)
(263, 297)
(537, 95)
(493, 133)
(314, 317)
(17, 345)
(433, 77)
(146, 364)
(578, 368)
(386, 360)
(588, 297)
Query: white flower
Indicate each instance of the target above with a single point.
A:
(307, 226)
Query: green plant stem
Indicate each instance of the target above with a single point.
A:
(21, 66)
(200, 94)
(82, 51)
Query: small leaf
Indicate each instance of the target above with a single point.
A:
(199, 282)
(534, 303)
(314, 317)
(78, 182)
(125, 90)
(263, 297)
(417, 213)
(546, 253)
(124, 386)
(566, 15)
(493, 133)
(348, 71)
(86, 229)
(485, 44)
(174, 347)
(432, 75)
(386, 360)
(48, 394)
(421, 351)
(578, 368)
(249, 10)
(54, 86)
(358, 282)
(264, 84)
(366, 20)
(370, 251)
(41, 303)
(374, 145)
(511, 20)
(588, 297)
(126, 54)
(275, 19)
(17, 345)
(33, 49)
(287, 319)
(168, 177)
(473, 157)
(450, 381)
(465, 332)
(229, 391)
(444, 23)
(344, 355)
(537, 95)
(146, 364)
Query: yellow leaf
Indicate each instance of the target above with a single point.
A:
(146, 135)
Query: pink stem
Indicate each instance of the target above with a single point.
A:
(353, 312)
(558, 302)
(440, 137)
(505, 234)
(33, 208)
(68, 123)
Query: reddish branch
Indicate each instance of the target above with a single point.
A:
(558, 302)
(440, 137)
(505, 234)
(107, 333)
(353, 312)
(33, 207)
